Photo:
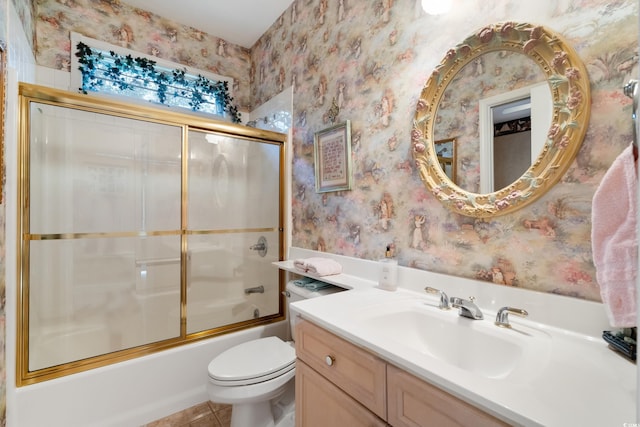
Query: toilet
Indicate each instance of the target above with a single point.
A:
(257, 377)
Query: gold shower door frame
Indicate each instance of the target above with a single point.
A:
(194, 125)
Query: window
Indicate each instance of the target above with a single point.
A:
(112, 70)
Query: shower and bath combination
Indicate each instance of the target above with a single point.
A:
(113, 285)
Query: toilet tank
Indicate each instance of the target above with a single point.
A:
(298, 293)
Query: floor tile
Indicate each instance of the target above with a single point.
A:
(205, 414)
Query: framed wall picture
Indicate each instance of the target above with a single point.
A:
(332, 153)
(446, 152)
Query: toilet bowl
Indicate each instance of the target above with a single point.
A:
(254, 375)
(249, 376)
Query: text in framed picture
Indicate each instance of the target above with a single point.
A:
(332, 152)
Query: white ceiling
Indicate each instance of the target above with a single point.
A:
(241, 22)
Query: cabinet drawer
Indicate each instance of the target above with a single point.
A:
(354, 370)
(319, 403)
(415, 403)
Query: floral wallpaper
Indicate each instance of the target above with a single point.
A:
(373, 59)
(3, 316)
(26, 11)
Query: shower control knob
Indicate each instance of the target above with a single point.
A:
(330, 360)
(261, 247)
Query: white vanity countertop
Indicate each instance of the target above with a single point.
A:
(581, 382)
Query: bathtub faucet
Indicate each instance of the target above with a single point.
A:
(254, 290)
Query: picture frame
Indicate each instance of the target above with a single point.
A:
(446, 152)
(332, 157)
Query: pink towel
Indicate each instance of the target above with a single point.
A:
(318, 266)
(614, 239)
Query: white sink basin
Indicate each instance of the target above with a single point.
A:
(476, 346)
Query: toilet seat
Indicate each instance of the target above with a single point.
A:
(252, 362)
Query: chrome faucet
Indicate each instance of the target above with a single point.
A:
(502, 318)
(444, 299)
(468, 308)
(254, 290)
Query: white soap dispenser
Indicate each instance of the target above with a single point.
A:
(388, 271)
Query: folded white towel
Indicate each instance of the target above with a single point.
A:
(318, 266)
(300, 265)
(323, 266)
(614, 241)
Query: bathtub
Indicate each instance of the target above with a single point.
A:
(67, 342)
(106, 317)
(130, 393)
(57, 343)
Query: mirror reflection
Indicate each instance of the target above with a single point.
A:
(447, 159)
(513, 128)
(481, 107)
(511, 143)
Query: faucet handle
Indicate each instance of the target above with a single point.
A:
(502, 318)
(444, 299)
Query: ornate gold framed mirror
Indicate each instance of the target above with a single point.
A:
(555, 148)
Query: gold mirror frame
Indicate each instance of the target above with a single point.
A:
(570, 92)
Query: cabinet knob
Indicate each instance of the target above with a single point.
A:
(330, 360)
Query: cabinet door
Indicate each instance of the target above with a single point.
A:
(415, 403)
(356, 371)
(319, 403)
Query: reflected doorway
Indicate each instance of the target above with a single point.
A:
(513, 128)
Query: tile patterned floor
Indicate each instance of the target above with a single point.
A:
(206, 414)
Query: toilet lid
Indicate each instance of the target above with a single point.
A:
(252, 362)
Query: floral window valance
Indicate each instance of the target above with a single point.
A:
(109, 72)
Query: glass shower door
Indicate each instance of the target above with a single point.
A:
(104, 235)
(140, 229)
(233, 235)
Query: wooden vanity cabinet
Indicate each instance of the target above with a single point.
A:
(340, 384)
(413, 402)
(320, 403)
(356, 371)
